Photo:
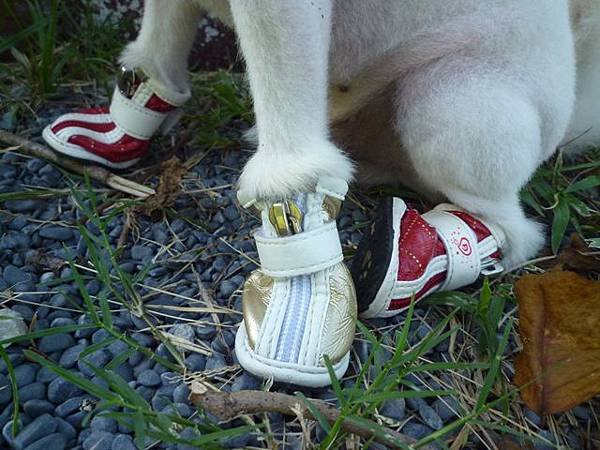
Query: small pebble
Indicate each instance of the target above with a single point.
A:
(60, 390)
(45, 375)
(183, 331)
(149, 378)
(107, 424)
(446, 407)
(40, 427)
(66, 429)
(123, 442)
(245, 382)
(55, 441)
(56, 233)
(430, 417)
(533, 417)
(141, 253)
(394, 409)
(35, 408)
(96, 359)
(416, 430)
(25, 374)
(33, 391)
(70, 357)
(14, 276)
(216, 361)
(56, 342)
(181, 394)
(98, 440)
(195, 362)
(69, 406)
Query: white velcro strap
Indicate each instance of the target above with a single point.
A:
(134, 119)
(300, 254)
(464, 263)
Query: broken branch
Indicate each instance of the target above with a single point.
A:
(228, 406)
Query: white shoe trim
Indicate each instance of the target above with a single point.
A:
(134, 118)
(460, 241)
(309, 376)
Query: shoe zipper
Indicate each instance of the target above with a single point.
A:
(287, 218)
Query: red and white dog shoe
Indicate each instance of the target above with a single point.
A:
(120, 135)
(406, 254)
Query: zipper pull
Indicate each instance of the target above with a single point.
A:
(286, 218)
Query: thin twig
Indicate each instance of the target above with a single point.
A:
(94, 172)
(227, 406)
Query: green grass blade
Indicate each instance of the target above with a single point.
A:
(491, 376)
(47, 332)
(73, 378)
(315, 412)
(14, 388)
(586, 183)
(560, 222)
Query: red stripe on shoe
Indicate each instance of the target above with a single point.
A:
(155, 103)
(419, 244)
(433, 282)
(104, 127)
(96, 110)
(125, 149)
(481, 231)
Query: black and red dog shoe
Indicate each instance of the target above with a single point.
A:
(405, 254)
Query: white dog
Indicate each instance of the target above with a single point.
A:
(459, 99)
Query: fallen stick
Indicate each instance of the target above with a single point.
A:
(94, 172)
(228, 406)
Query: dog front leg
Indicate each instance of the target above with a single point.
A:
(300, 305)
(286, 46)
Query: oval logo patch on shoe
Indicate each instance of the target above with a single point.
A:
(465, 246)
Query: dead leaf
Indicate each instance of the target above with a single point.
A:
(578, 256)
(172, 172)
(559, 324)
(44, 262)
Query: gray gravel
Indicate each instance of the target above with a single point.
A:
(197, 263)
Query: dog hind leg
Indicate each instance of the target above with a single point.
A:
(478, 143)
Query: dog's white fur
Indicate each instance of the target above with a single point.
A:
(463, 99)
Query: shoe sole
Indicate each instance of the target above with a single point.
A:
(375, 265)
(284, 372)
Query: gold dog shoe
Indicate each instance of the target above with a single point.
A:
(300, 305)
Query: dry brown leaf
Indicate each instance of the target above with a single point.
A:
(578, 256)
(172, 172)
(559, 324)
(44, 262)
